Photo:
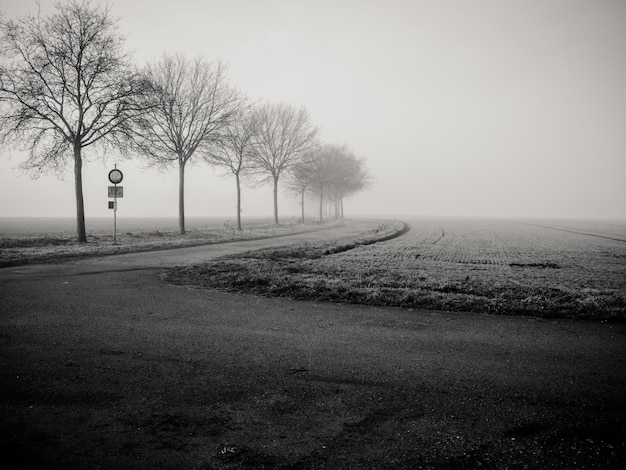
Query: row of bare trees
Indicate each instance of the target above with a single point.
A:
(263, 144)
(66, 85)
(330, 173)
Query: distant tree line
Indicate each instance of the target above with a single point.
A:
(66, 86)
(330, 173)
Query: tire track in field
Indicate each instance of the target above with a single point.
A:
(443, 234)
(579, 233)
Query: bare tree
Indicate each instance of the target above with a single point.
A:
(322, 172)
(301, 178)
(65, 85)
(233, 150)
(195, 106)
(284, 134)
(349, 177)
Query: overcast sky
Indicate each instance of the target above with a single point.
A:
(474, 108)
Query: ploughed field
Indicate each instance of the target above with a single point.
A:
(571, 269)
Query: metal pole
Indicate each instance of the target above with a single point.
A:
(115, 215)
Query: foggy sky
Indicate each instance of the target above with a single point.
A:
(481, 108)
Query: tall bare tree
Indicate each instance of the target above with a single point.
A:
(195, 105)
(284, 134)
(65, 85)
(349, 177)
(302, 177)
(233, 150)
(322, 165)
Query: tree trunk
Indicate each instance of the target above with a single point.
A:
(181, 197)
(276, 199)
(80, 202)
(238, 201)
(341, 206)
(321, 205)
(302, 204)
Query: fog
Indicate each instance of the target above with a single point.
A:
(482, 108)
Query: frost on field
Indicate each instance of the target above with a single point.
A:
(489, 266)
(504, 267)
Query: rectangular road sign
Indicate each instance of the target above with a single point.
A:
(116, 191)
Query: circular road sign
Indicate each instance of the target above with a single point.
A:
(115, 176)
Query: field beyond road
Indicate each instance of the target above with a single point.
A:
(547, 269)
(104, 365)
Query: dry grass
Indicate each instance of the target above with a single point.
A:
(488, 267)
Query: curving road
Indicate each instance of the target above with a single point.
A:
(201, 254)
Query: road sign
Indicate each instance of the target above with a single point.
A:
(115, 176)
(116, 191)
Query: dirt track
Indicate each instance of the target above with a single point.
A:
(104, 366)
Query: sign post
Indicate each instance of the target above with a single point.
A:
(115, 191)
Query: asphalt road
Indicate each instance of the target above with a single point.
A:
(302, 384)
(200, 254)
